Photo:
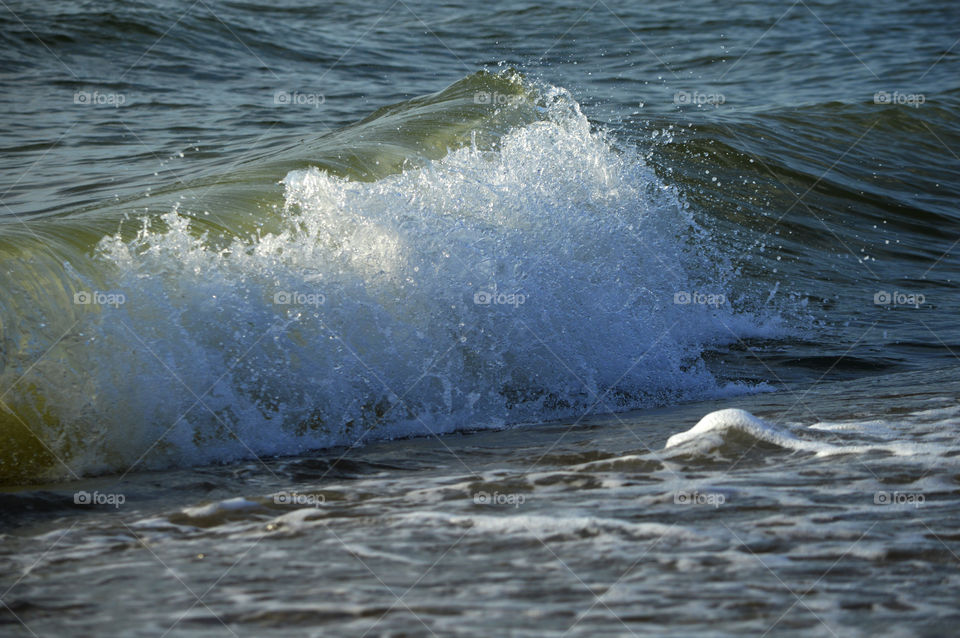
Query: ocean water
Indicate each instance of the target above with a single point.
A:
(381, 318)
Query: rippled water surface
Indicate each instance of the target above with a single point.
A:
(402, 319)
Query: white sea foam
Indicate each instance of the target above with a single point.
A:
(532, 281)
(714, 429)
(736, 428)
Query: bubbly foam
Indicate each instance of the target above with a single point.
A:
(544, 276)
(736, 429)
(713, 429)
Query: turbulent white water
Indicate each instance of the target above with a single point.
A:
(547, 276)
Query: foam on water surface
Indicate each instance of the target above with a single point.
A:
(524, 280)
(737, 429)
(714, 428)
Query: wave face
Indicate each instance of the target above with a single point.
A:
(530, 270)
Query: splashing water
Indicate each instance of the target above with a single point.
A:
(540, 274)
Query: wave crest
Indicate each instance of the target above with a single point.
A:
(533, 275)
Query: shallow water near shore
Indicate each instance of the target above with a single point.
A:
(593, 527)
